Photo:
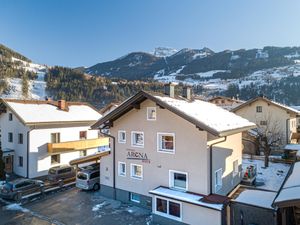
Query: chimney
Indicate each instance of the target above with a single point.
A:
(187, 92)
(170, 89)
(62, 105)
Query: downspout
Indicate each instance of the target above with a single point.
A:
(28, 146)
(210, 160)
(286, 132)
(114, 161)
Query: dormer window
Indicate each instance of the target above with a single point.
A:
(151, 113)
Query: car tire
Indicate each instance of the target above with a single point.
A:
(96, 187)
(18, 197)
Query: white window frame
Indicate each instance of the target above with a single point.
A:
(167, 214)
(218, 187)
(235, 167)
(132, 139)
(171, 180)
(150, 108)
(159, 149)
(133, 200)
(131, 172)
(119, 169)
(259, 109)
(119, 140)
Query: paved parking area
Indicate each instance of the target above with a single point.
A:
(76, 207)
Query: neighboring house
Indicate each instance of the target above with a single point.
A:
(108, 108)
(266, 113)
(225, 102)
(37, 135)
(175, 155)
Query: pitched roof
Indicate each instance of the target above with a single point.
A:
(34, 111)
(226, 98)
(282, 106)
(204, 115)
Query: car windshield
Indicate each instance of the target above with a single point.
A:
(82, 176)
(52, 171)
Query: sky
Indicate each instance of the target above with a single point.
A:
(85, 32)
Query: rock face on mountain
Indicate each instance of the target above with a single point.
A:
(187, 63)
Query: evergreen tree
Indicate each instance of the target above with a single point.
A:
(2, 167)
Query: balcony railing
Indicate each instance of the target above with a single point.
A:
(77, 145)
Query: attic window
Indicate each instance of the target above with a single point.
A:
(259, 109)
(10, 116)
(151, 113)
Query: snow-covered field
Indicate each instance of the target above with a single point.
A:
(271, 177)
(37, 88)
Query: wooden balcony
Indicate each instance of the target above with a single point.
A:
(77, 145)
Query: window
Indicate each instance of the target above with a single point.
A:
(168, 208)
(259, 109)
(235, 167)
(122, 136)
(137, 139)
(136, 171)
(95, 175)
(82, 135)
(166, 142)
(122, 169)
(10, 137)
(10, 116)
(151, 113)
(20, 138)
(20, 161)
(218, 179)
(55, 137)
(55, 159)
(82, 153)
(135, 197)
(178, 180)
(263, 123)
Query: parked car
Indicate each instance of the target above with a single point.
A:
(61, 172)
(19, 187)
(88, 179)
(93, 166)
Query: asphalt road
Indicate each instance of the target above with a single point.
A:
(73, 207)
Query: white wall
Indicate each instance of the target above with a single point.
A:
(16, 127)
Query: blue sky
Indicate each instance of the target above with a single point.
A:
(85, 32)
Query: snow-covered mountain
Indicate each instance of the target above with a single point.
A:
(164, 51)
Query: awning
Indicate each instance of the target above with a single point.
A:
(89, 158)
(8, 152)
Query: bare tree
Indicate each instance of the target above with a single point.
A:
(269, 135)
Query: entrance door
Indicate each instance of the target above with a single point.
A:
(8, 160)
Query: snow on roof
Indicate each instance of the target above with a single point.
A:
(270, 178)
(258, 198)
(291, 188)
(184, 196)
(209, 114)
(293, 147)
(43, 112)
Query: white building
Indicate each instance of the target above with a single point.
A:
(37, 135)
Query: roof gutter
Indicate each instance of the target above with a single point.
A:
(210, 161)
(114, 160)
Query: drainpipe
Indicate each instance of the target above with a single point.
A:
(286, 131)
(114, 161)
(210, 160)
(27, 157)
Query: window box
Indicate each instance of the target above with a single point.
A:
(122, 136)
(166, 142)
(136, 171)
(218, 179)
(151, 113)
(122, 169)
(137, 139)
(168, 208)
(178, 180)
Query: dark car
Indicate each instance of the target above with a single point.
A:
(93, 166)
(20, 187)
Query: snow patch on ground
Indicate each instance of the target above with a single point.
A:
(16, 207)
(98, 206)
(272, 177)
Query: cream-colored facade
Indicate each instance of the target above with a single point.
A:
(191, 156)
(278, 118)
